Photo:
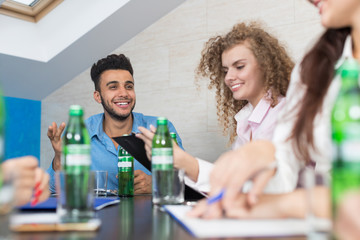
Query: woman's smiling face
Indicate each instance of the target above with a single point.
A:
(243, 75)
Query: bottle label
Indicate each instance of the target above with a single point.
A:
(162, 156)
(348, 151)
(125, 164)
(77, 154)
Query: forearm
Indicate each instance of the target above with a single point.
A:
(183, 160)
(296, 204)
(56, 163)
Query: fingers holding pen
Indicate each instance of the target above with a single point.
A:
(41, 190)
(259, 184)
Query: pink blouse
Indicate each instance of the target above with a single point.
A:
(257, 123)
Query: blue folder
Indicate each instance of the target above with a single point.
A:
(50, 204)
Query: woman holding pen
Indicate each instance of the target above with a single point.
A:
(250, 71)
(303, 134)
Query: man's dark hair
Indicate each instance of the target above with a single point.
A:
(111, 62)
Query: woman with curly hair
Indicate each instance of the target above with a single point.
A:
(302, 135)
(250, 71)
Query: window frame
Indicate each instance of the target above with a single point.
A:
(28, 13)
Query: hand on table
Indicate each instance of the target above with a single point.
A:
(233, 169)
(142, 182)
(268, 206)
(347, 224)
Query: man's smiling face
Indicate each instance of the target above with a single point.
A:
(116, 94)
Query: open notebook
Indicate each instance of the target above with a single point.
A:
(220, 228)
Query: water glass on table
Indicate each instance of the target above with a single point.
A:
(317, 195)
(75, 196)
(101, 178)
(168, 186)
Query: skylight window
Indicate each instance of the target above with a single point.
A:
(26, 2)
(29, 10)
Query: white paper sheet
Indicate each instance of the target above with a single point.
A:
(238, 227)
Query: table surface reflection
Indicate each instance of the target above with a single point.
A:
(132, 218)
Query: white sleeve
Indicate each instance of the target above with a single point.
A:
(288, 165)
(203, 182)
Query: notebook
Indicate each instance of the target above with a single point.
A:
(50, 204)
(222, 228)
(49, 222)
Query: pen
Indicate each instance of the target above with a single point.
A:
(220, 195)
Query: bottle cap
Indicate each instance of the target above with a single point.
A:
(173, 135)
(350, 69)
(162, 121)
(76, 110)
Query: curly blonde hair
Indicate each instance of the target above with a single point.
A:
(270, 55)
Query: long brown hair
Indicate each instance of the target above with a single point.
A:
(317, 72)
(270, 55)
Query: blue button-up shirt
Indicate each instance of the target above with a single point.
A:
(104, 155)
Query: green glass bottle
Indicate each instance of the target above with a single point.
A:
(162, 151)
(345, 120)
(125, 173)
(76, 159)
(173, 136)
(162, 163)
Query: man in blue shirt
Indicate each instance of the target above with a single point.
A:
(114, 89)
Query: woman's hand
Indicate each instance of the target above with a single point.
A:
(182, 160)
(28, 179)
(234, 168)
(41, 190)
(347, 224)
(268, 206)
(147, 136)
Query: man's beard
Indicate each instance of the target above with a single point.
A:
(113, 114)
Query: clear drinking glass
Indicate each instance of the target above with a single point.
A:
(101, 178)
(75, 196)
(317, 195)
(168, 186)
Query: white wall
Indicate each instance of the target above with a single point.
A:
(164, 57)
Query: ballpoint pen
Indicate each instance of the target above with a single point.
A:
(220, 195)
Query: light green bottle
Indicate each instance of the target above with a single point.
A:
(162, 149)
(76, 158)
(345, 120)
(162, 163)
(125, 173)
(173, 136)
